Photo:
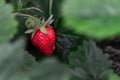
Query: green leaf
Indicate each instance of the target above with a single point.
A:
(2, 1)
(49, 69)
(92, 65)
(16, 64)
(42, 70)
(28, 62)
(96, 18)
(11, 57)
(113, 76)
(77, 58)
(19, 5)
(8, 25)
(96, 58)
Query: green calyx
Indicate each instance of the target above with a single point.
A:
(34, 25)
(43, 29)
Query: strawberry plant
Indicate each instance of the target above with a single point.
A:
(59, 40)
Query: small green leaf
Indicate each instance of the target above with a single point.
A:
(29, 31)
(98, 62)
(77, 58)
(20, 5)
(89, 62)
(43, 29)
(8, 25)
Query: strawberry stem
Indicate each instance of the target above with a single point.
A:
(33, 8)
(50, 6)
(26, 15)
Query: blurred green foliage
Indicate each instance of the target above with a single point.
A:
(16, 63)
(86, 63)
(8, 25)
(95, 18)
(113, 77)
(89, 63)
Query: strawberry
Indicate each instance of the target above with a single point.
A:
(45, 42)
(43, 36)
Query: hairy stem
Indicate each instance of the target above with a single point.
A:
(26, 15)
(33, 8)
(50, 7)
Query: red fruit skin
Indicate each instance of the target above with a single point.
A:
(45, 42)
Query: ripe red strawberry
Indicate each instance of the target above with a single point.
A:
(44, 42)
(43, 36)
